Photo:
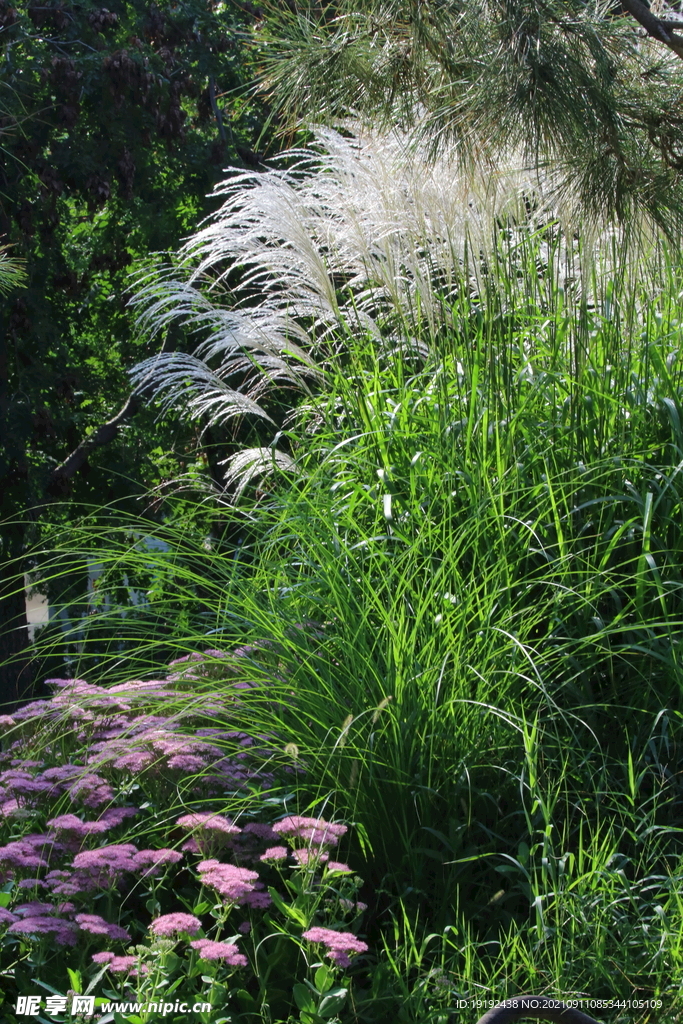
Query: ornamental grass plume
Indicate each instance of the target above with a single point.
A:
(352, 236)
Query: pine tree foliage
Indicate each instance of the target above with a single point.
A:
(577, 87)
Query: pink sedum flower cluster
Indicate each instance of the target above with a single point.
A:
(119, 736)
(340, 945)
(171, 925)
(224, 951)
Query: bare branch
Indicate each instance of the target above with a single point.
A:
(653, 26)
(103, 435)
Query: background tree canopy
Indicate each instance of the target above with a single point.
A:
(116, 123)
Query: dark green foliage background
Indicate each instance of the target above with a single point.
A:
(115, 125)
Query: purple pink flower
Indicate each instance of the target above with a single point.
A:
(313, 830)
(121, 964)
(210, 822)
(225, 951)
(96, 925)
(152, 861)
(64, 932)
(174, 924)
(306, 857)
(274, 854)
(231, 882)
(34, 909)
(339, 944)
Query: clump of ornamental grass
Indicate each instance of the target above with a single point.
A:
(360, 234)
(176, 896)
(461, 612)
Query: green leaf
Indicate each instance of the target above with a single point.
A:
(303, 998)
(75, 979)
(324, 979)
(246, 1001)
(171, 961)
(332, 1002)
(290, 912)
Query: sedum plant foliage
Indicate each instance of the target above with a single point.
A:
(574, 85)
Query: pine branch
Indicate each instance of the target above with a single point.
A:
(653, 26)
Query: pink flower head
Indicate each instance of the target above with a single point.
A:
(335, 865)
(210, 822)
(120, 964)
(64, 932)
(224, 951)
(96, 925)
(231, 882)
(350, 906)
(256, 900)
(92, 790)
(96, 869)
(309, 857)
(187, 762)
(117, 815)
(339, 944)
(35, 909)
(135, 761)
(275, 854)
(313, 830)
(174, 924)
(6, 917)
(152, 861)
(261, 831)
(73, 825)
(21, 854)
